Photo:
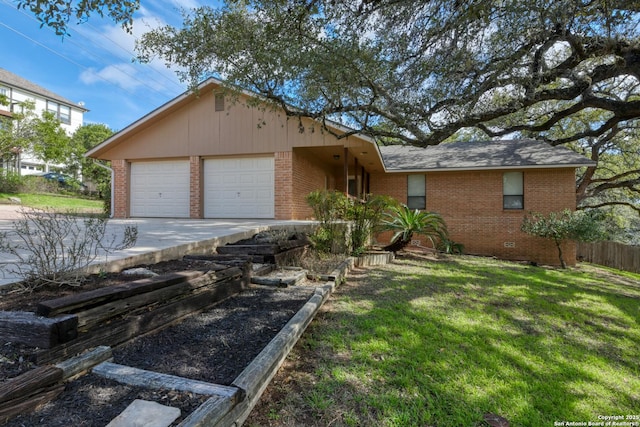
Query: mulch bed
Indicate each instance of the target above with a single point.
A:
(213, 346)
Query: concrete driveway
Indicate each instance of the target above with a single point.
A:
(162, 239)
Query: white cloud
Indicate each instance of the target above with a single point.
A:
(123, 75)
(114, 51)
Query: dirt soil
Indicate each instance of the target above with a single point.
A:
(213, 346)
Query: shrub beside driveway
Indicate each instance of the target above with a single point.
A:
(457, 341)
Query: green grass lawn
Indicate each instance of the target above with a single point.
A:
(57, 202)
(443, 343)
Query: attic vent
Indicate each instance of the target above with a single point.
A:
(219, 102)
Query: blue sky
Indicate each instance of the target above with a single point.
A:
(94, 64)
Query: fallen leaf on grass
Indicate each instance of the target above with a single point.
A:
(496, 420)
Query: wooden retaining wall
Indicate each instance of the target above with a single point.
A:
(611, 254)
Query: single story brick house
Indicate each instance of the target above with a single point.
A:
(209, 155)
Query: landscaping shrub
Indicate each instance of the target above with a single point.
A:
(346, 223)
(34, 184)
(330, 210)
(405, 223)
(579, 226)
(50, 247)
(10, 182)
(365, 216)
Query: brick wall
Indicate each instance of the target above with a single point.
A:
(471, 204)
(309, 176)
(195, 187)
(283, 183)
(120, 196)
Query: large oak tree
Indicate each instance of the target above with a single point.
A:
(423, 72)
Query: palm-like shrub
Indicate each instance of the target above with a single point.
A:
(405, 223)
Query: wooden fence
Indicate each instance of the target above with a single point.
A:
(611, 254)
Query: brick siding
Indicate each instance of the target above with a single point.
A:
(196, 209)
(120, 196)
(471, 204)
(309, 176)
(283, 183)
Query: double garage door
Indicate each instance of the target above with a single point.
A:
(233, 188)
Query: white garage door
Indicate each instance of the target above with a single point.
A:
(239, 188)
(160, 189)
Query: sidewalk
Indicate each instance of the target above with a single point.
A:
(162, 239)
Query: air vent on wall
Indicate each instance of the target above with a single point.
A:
(219, 102)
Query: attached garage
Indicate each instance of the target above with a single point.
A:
(160, 189)
(239, 187)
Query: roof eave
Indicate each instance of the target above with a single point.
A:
(484, 168)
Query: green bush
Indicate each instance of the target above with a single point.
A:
(10, 182)
(365, 216)
(36, 184)
(579, 226)
(405, 223)
(330, 210)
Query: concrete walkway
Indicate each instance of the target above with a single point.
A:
(161, 239)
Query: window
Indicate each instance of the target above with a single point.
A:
(65, 114)
(513, 190)
(416, 192)
(60, 112)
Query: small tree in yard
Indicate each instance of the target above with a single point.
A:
(55, 248)
(579, 226)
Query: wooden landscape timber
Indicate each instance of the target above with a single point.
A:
(278, 253)
(197, 295)
(232, 403)
(74, 303)
(29, 390)
(36, 331)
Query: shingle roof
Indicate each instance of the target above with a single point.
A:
(14, 80)
(507, 154)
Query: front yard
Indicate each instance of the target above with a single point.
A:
(466, 341)
(57, 202)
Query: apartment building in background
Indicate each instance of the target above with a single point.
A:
(17, 90)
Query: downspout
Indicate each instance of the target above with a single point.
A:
(96, 162)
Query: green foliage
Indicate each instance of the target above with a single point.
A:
(10, 182)
(417, 343)
(334, 211)
(330, 210)
(54, 201)
(52, 247)
(405, 223)
(365, 216)
(93, 171)
(51, 143)
(328, 206)
(450, 247)
(57, 14)
(422, 72)
(580, 226)
(28, 132)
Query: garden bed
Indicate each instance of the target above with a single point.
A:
(214, 346)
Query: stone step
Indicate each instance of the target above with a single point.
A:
(143, 413)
